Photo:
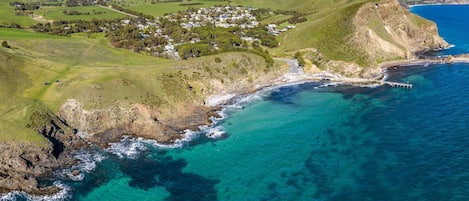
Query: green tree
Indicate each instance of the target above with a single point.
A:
(298, 56)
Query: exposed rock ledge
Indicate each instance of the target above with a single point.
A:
(74, 126)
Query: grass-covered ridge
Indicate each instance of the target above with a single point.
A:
(159, 8)
(40, 72)
(328, 28)
(8, 16)
(77, 13)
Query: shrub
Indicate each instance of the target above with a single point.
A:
(5, 44)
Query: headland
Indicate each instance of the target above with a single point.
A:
(64, 93)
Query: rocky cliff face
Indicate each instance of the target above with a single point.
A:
(388, 31)
(22, 163)
(20, 166)
(102, 126)
(383, 31)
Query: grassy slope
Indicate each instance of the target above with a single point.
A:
(328, 27)
(159, 9)
(95, 74)
(7, 14)
(14, 108)
(79, 63)
(56, 13)
(100, 76)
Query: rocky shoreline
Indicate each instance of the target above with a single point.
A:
(102, 127)
(74, 127)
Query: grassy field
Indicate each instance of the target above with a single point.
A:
(159, 9)
(56, 13)
(328, 27)
(89, 70)
(8, 15)
(86, 67)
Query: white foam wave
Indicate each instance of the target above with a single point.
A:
(241, 101)
(330, 84)
(64, 194)
(127, 148)
(86, 163)
(217, 132)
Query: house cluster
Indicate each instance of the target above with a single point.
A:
(273, 29)
(156, 30)
(216, 16)
(227, 16)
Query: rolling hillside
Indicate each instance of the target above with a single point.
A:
(53, 88)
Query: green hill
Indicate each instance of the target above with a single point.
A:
(44, 70)
(60, 85)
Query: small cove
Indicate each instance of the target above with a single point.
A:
(307, 142)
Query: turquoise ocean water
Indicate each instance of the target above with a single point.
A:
(308, 142)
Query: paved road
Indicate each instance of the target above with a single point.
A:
(295, 67)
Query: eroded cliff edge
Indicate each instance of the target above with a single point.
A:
(382, 31)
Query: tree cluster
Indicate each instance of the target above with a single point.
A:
(261, 13)
(11, 25)
(215, 40)
(297, 19)
(129, 36)
(138, 34)
(139, 14)
(25, 6)
(301, 61)
(267, 39)
(75, 12)
(191, 4)
(64, 28)
(75, 3)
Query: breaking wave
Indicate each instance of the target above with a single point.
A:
(87, 161)
(64, 194)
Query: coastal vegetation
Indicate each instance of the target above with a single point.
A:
(146, 67)
(158, 8)
(77, 13)
(79, 61)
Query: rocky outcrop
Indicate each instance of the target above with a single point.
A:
(20, 166)
(388, 31)
(23, 163)
(382, 31)
(102, 126)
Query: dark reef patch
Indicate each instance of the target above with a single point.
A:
(148, 172)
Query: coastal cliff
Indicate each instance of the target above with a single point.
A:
(391, 32)
(382, 31)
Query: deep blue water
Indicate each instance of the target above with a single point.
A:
(453, 24)
(307, 142)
